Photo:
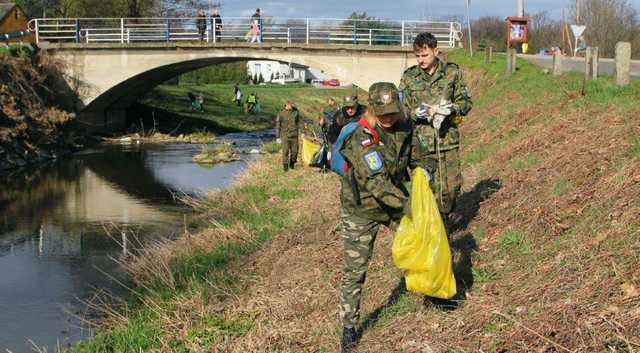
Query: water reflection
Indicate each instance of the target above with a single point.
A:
(52, 231)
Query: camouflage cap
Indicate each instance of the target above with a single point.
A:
(384, 98)
(350, 100)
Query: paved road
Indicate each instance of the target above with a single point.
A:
(606, 66)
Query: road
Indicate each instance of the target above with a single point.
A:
(606, 67)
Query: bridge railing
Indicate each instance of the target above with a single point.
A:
(237, 29)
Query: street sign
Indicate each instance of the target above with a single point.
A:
(577, 30)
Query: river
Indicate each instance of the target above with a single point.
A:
(62, 225)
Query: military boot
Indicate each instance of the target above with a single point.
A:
(285, 167)
(292, 165)
(349, 337)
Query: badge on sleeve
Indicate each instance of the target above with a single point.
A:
(373, 160)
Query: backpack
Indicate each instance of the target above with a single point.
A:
(338, 163)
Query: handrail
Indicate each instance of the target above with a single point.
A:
(276, 29)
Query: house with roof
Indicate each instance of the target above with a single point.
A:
(13, 21)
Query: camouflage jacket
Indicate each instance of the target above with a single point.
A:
(417, 87)
(375, 186)
(288, 123)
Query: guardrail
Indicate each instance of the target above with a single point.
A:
(237, 29)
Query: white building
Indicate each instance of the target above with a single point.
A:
(277, 72)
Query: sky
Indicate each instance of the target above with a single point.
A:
(393, 9)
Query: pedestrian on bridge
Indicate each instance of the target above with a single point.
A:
(201, 24)
(256, 27)
(436, 97)
(216, 21)
(288, 127)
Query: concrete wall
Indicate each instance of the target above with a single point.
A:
(110, 77)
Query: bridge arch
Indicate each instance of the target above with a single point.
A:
(108, 78)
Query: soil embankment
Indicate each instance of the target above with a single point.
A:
(546, 241)
(33, 124)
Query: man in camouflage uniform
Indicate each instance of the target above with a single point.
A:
(350, 112)
(436, 98)
(374, 191)
(288, 127)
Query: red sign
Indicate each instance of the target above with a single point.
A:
(517, 30)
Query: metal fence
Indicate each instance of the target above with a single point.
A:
(237, 29)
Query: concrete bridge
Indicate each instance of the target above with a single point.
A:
(110, 63)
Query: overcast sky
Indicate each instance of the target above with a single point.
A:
(392, 9)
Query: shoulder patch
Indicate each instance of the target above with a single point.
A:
(373, 161)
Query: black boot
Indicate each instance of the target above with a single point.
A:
(285, 167)
(349, 337)
(292, 165)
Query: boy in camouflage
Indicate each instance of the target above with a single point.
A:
(436, 98)
(374, 191)
(288, 128)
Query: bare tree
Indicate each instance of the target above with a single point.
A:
(544, 32)
(608, 22)
(489, 31)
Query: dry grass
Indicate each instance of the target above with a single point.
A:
(546, 242)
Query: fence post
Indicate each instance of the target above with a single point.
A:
(77, 31)
(288, 35)
(452, 40)
(402, 34)
(128, 35)
(370, 35)
(623, 62)
(355, 40)
(121, 30)
(488, 55)
(557, 64)
(595, 57)
(168, 34)
(587, 63)
(307, 31)
(511, 61)
(261, 28)
(37, 32)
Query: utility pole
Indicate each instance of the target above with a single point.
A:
(577, 12)
(520, 8)
(469, 28)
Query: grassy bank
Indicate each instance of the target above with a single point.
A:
(546, 239)
(221, 113)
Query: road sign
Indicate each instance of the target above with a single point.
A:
(577, 30)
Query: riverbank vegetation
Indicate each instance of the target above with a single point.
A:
(33, 120)
(546, 237)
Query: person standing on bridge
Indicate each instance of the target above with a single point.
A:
(216, 22)
(256, 27)
(378, 155)
(436, 97)
(288, 127)
(201, 24)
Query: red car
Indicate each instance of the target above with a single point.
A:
(332, 82)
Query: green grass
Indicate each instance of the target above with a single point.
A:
(482, 276)
(561, 187)
(514, 242)
(223, 114)
(271, 147)
(526, 161)
(634, 149)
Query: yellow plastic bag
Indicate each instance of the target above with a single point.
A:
(309, 149)
(421, 246)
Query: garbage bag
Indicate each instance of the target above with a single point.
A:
(320, 158)
(421, 246)
(309, 149)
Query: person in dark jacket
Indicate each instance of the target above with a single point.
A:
(201, 24)
(216, 21)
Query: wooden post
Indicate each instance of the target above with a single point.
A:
(595, 57)
(511, 61)
(587, 63)
(557, 64)
(488, 53)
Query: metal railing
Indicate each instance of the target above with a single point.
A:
(237, 29)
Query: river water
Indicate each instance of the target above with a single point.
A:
(61, 226)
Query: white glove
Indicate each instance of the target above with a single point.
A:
(444, 109)
(424, 111)
(437, 121)
(279, 141)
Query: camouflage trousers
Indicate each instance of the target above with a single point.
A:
(447, 178)
(289, 150)
(359, 235)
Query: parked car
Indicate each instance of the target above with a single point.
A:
(332, 82)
